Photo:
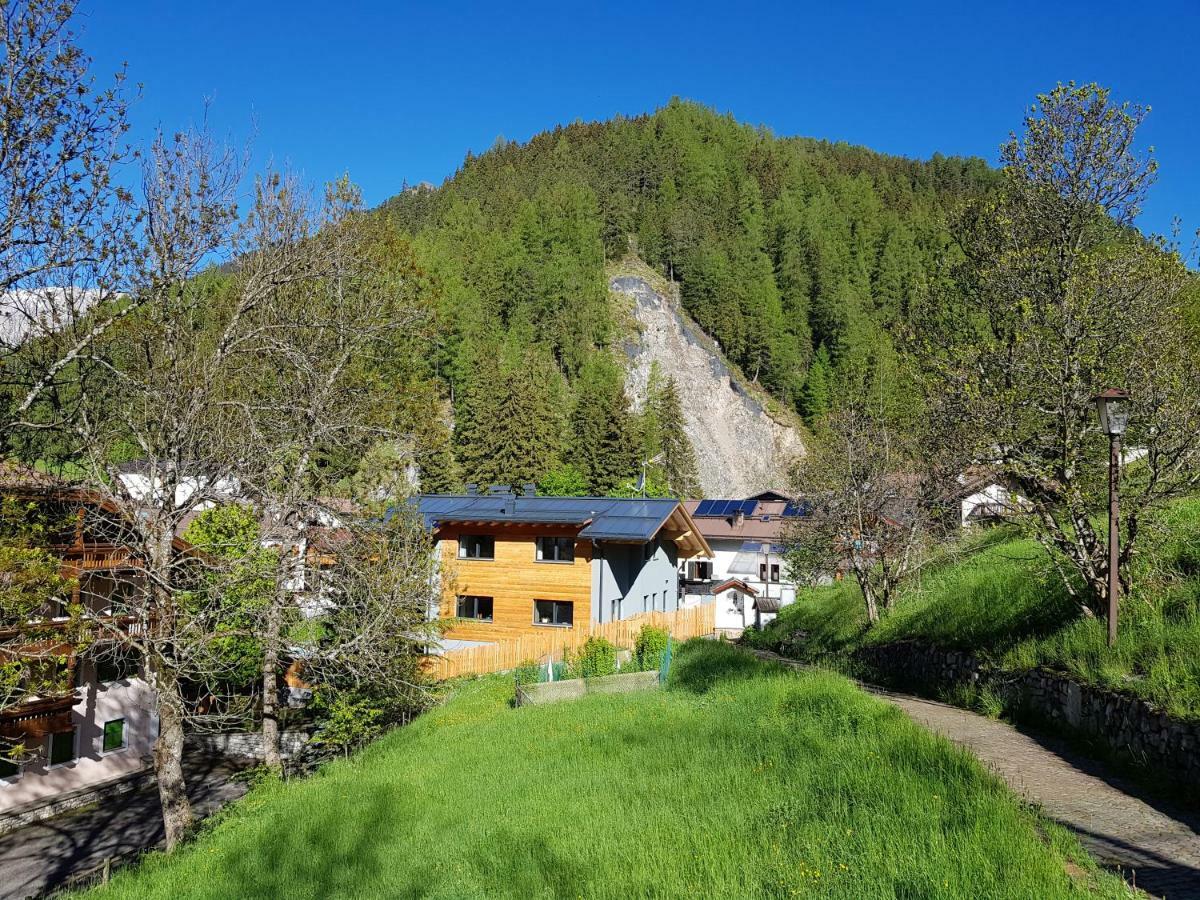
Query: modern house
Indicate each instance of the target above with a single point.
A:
(514, 564)
(746, 577)
(100, 727)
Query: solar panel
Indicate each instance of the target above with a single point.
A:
(792, 510)
(705, 508)
(748, 507)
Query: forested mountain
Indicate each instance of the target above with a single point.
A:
(802, 259)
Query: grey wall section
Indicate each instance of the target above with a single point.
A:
(625, 582)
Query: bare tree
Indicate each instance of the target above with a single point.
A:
(317, 398)
(168, 379)
(876, 504)
(66, 225)
(1058, 299)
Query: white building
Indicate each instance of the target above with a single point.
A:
(746, 577)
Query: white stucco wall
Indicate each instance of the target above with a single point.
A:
(131, 700)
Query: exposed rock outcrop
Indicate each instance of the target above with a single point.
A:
(741, 448)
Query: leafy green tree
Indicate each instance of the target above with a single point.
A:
(564, 481)
(1057, 299)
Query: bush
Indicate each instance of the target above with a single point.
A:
(595, 658)
(528, 672)
(649, 647)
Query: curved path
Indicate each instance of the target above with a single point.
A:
(1155, 844)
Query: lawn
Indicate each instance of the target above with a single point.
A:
(741, 780)
(998, 595)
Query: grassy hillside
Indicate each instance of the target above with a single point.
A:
(739, 781)
(998, 596)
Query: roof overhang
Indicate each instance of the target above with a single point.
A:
(680, 527)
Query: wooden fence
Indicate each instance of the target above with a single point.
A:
(511, 652)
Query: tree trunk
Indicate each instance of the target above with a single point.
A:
(270, 689)
(168, 757)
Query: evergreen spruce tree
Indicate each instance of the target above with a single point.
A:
(818, 386)
(679, 457)
(603, 444)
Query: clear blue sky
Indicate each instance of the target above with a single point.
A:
(390, 91)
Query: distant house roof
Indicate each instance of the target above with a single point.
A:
(751, 519)
(634, 520)
(771, 495)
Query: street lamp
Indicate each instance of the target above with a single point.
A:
(1113, 407)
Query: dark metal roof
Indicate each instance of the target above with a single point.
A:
(601, 518)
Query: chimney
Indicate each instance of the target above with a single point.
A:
(738, 517)
(510, 504)
(529, 489)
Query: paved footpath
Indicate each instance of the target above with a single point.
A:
(1154, 844)
(46, 855)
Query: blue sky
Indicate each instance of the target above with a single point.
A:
(392, 92)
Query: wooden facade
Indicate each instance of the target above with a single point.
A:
(514, 578)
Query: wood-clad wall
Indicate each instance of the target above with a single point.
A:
(514, 579)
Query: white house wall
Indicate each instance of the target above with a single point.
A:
(131, 700)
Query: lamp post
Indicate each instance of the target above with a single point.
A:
(1113, 407)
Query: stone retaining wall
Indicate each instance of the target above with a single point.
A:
(1127, 725)
(246, 744)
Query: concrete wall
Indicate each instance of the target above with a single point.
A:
(552, 691)
(626, 582)
(131, 700)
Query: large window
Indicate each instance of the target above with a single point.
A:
(62, 747)
(476, 546)
(775, 571)
(553, 612)
(555, 549)
(699, 571)
(114, 735)
(471, 607)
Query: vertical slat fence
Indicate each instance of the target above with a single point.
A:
(509, 653)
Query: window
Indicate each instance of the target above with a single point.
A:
(116, 664)
(475, 608)
(762, 571)
(114, 735)
(616, 608)
(555, 549)
(476, 546)
(775, 571)
(553, 612)
(699, 571)
(62, 747)
(9, 768)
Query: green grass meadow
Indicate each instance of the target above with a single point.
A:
(998, 595)
(740, 780)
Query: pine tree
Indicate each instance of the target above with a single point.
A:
(679, 457)
(818, 386)
(603, 444)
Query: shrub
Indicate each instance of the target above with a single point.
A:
(595, 658)
(528, 672)
(649, 647)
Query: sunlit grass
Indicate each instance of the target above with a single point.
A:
(739, 781)
(1000, 597)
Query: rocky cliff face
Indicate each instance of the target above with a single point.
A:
(740, 447)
